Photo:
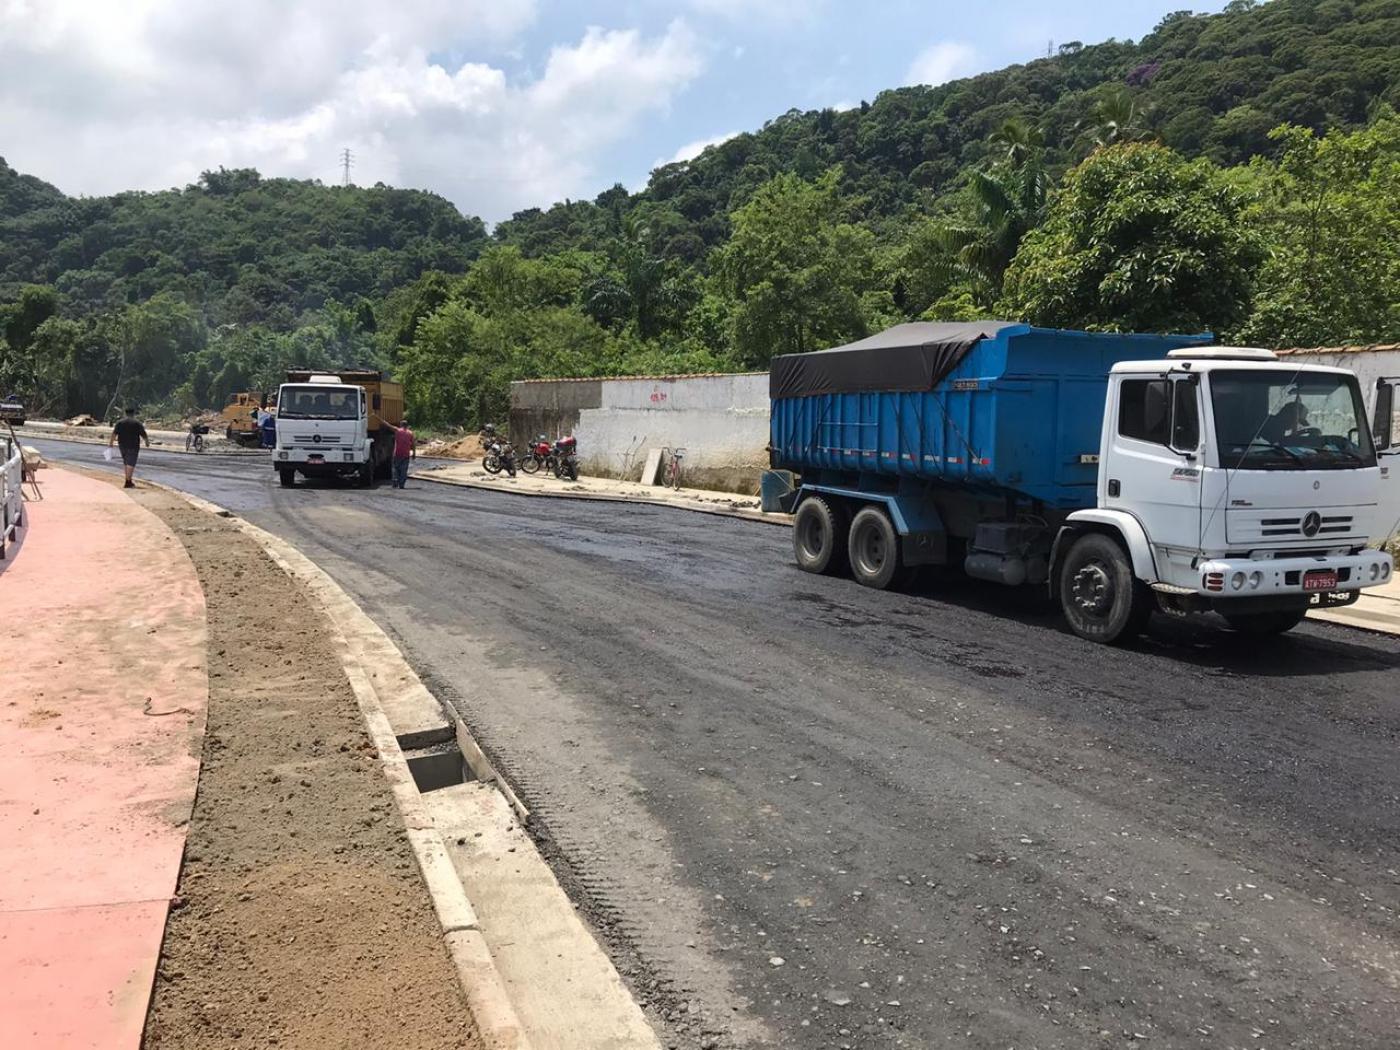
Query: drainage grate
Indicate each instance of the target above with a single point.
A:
(437, 767)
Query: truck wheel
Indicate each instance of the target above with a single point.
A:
(1101, 598)
(289, 478)
(365, 478)
(874, 549)
(1265, 624)
(819, 536)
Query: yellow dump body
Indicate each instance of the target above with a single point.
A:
(385, 395)
(238, 414)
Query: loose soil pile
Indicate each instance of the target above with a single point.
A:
(301, 920)
(467, 448)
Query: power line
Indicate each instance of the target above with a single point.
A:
(347, 160)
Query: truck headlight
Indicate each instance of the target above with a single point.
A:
(1385, 570)
(349, 457)
(1255, 579)
(281, 455)
(1237, 580)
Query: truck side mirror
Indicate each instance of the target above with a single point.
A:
(1186, 417)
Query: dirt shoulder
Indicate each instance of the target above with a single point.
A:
(301, 919)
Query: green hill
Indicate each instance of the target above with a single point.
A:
(1211, 85)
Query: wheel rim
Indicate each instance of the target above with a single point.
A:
(871, 550)
(1092, 590)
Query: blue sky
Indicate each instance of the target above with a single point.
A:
(496, 104)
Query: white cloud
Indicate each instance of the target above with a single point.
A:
(942, 62)
(691, 150)
(97, 101)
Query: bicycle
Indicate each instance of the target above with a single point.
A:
(672, 478)
(194, 440)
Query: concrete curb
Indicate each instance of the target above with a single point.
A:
(482, 986)
(784, 520)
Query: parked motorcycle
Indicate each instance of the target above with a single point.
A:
(500, 455)
(540, 454)
(566, 458)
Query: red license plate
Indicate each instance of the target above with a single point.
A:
(322, 459)
(1320, 580)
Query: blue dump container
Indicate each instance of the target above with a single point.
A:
(991, 408)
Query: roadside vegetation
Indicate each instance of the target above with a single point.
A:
(1238, 173)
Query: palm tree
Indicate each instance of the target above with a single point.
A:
(1019, 138)
(1007, 202)
(1119, 117)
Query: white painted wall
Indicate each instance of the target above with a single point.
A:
(1369, 365)
(721, 421)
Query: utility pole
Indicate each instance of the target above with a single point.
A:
(347, 159)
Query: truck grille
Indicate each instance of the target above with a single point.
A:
(309, 440)
(1337, 523)
(1274, 525)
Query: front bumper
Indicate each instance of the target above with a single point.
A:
(1273, 577)
(316, 460)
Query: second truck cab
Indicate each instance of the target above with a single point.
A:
(336, 425)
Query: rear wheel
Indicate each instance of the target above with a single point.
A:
(571, 468)
(819, 536)
(1265, 624)
(530, 463)
(874, 549)
(491, 464)
(288, 478)
(1101, 598)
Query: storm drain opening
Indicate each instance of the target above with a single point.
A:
(438, 767)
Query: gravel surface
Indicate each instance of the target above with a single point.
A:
(300, 919)
(804, 814)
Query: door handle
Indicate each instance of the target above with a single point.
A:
(1115, 487)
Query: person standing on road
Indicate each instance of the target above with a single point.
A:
(127, 435)
(405, 449)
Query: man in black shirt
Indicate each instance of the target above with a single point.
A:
(127, 435)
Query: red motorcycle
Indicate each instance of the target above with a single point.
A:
(540, 454)
(566, 458)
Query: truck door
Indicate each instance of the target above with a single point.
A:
(1385, 425)
(1153, 466)
(1385, 432)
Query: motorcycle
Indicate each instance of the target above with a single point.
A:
(500, 455)
(566, 458)
(541, 454)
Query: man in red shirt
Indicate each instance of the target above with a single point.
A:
(405, 449)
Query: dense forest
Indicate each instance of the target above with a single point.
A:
(1238, 173)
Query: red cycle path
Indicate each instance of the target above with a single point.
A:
(102, 707)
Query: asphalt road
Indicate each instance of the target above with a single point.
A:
(804, 814)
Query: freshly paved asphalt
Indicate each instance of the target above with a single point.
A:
(803, 814)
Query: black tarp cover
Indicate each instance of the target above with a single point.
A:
(907, 357)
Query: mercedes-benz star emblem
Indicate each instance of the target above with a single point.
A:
(1312, 523)
(316, 438)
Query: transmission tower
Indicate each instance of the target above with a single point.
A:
(347, 160)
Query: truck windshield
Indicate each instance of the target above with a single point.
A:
(319, 402)
(1293, 419)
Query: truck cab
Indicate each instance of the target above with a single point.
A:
(323, 431)
(1236, 483)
